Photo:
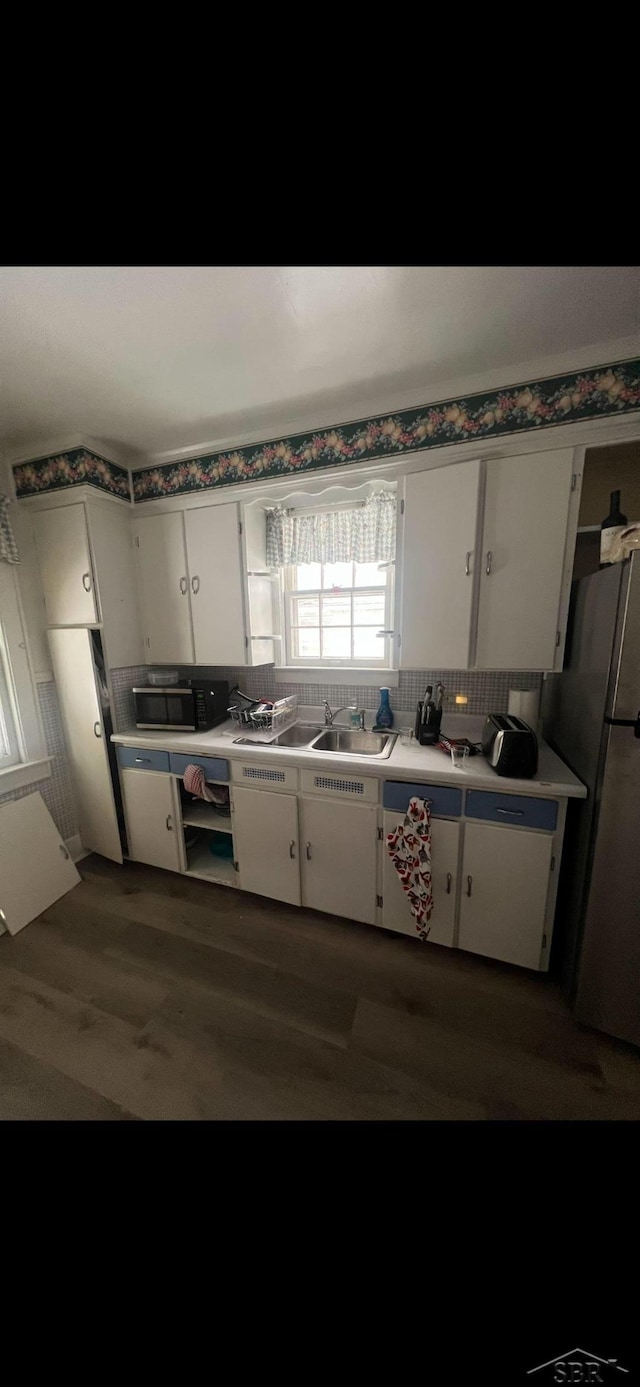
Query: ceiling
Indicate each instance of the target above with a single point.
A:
(154, 358)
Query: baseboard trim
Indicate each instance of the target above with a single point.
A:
(75, 849)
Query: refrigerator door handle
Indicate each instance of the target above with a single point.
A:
(626, 722)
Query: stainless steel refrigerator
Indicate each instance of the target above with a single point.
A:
(591, 716)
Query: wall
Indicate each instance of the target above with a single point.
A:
(57, 791)
(486, 691)
(606, 470)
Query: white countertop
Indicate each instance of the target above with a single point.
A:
(407, 761)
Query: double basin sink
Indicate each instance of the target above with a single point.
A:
(345, 741)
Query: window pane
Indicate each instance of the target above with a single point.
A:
(336, 611)
(368, 608)
(307, 575)
(306, 643)
(366, 645)
(337, 575)
(367, 576)
(336, 641)
(305, 611)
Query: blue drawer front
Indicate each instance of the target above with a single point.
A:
(214, 767)
(142, 759)
(444, 800)
(521, 811)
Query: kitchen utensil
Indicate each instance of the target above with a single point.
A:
(510, 746)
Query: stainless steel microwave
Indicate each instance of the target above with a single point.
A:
(195, 705)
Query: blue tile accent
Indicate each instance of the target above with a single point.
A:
(519, 811)
(444, 800)
(142, 759)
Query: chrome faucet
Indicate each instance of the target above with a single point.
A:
(329, 716)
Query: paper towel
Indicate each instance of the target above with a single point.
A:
(525, 704)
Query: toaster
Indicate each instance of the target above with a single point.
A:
(510, 746)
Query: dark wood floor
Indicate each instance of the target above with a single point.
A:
(144, 995)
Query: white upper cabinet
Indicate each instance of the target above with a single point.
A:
(438, 537)
(164, 589)
(522, 561)
(484, 557)
(62, 542)
(215, 585)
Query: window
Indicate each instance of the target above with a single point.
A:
(9, 749)
(23, 758)
(338, 614)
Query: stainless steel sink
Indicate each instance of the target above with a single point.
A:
(343, 740)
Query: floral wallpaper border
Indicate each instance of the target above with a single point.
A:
(77, 467)
(568, 399)
(539, 404)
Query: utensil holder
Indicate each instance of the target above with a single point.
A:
(428, 733)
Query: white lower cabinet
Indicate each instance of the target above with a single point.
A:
(338, 854)
(503, 897)
(396, 912)
(154, 821)
(265, 837)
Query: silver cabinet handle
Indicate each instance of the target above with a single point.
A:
(385, 633)
(308, 851)
(449, 880)
(64, 852)
(97, 730)
(292, 848)
(86, 582)
(195, 583)
(519, 812)
(169, 822)
(183, 586)
(489, 559)
(466, 562)
(143, 760)
(469, 880)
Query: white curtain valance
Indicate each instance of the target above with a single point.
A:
(364, 533)
(8, 546)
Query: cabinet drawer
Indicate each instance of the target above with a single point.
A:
(214, 767)
(445, 801)
(142, 759)
(521, 811)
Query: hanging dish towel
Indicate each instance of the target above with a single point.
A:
(195, 784)
(409, 847)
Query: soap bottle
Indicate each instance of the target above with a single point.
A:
(384, 715)
(354, 715)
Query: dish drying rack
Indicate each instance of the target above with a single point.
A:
(264, 726)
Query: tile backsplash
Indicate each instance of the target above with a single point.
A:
(486, 691)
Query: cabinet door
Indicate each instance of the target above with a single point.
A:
(164, 589)
(396, 913)
(215, 579)
(525, 525)
(35, 866)
(437, 566)
(62, 541)
(72, 660)
(265, 838)
(505, 881)
(154, 824)
(338, 849)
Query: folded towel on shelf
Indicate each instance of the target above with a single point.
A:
(195, 784)
(409, 847)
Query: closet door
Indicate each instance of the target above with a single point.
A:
(164, 589)
(72, 659)
(215, 581)
(62, 542)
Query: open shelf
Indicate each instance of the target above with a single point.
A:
(202, 815)
(206, 865)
